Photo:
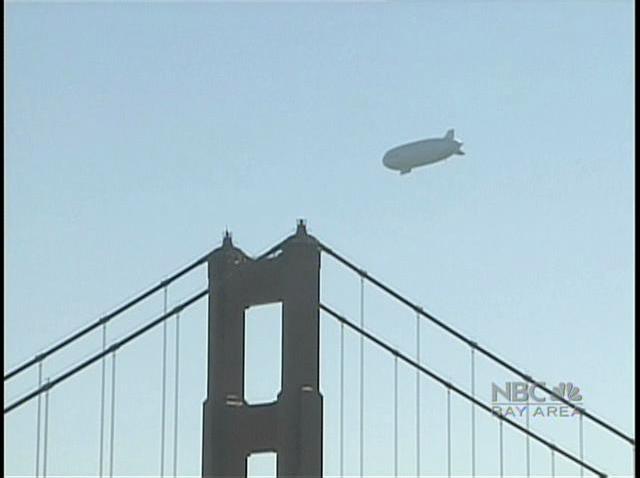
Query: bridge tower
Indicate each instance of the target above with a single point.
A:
(291, 426)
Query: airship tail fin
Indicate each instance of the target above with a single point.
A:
(449, 134)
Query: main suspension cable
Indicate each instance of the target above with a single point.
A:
(365, 275)
(106, 318)
(116, 345)
(455, 389)
(119, 310)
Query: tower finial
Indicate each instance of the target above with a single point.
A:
(301, 227)
(226, 240)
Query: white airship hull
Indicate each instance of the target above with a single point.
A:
(420, 153)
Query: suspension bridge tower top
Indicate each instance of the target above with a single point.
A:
(291, 426)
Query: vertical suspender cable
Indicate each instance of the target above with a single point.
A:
(38, 422)
(553, 463)
(102, 398)
(113, 413)
(175, 398)
(164, 386)
(449, 432)
(395, 416)
(418, 396)
(46, 432)
(581, 424)
(362, 378)
(501, 450)
(473, 413)
(341, 400)
(528, 438)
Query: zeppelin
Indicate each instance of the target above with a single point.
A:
(420, 153)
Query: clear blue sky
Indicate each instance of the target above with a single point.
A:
(137, 132)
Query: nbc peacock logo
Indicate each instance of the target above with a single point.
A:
(568, 391)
